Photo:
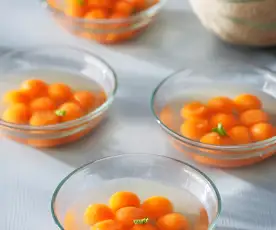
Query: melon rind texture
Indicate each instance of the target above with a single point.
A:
(242, 22)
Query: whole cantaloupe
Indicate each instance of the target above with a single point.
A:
(243, 22)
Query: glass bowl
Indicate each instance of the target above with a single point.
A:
(191, 85)
(104, 31)
(143, 174)
(72, 66)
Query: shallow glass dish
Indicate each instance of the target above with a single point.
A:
(139, 173)
(202, 84)
(104, 31)
(72, 66)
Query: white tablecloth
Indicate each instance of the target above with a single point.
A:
(28, 176)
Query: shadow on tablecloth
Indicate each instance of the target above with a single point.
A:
(177, 39)
(248, 204)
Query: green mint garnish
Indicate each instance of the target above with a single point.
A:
(80, 2)
(60, 113)
(141, 221)
(220, 130)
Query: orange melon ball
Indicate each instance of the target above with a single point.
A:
(195, 128)
(60, 93)
(166, 117)
(69, 111)
(172, 221)
(117, 15)
(96, 213)
(227, 120)
(97, 4)
(75, 8)
(247, 101)
(157, 206)
(107, 225)
(140, 4)
(123, 199)
(85, 99)
(70, 220)
(253, 116)
(144, 227)
(52, 3)
(34, 88)
(43, 118)
(96, 14)
(123, 7)
(42, 104)
(221, 105)
(240, 135)
(17, 113)
(15, 96)
(202, 221)
(101, 98)
(126, 216)
(213, 138)
(194, 110)
(261, 131)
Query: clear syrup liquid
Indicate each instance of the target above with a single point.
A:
(75, 81)
(184, 202)
(204, 93)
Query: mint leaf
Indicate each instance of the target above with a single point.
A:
(80, 2)
(220, 130)
(60, 113)
(141, 221)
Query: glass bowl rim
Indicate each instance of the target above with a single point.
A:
(188, 72)
(150, 11)
(88, 117)
(79, 169)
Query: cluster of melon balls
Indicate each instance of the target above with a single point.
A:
(37, 103)
(226, 121)
(126, 212)
(103, 9)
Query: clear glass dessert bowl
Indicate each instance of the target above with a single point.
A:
(106, 30)
(75, 67)
(143, 174)
(200, 85)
